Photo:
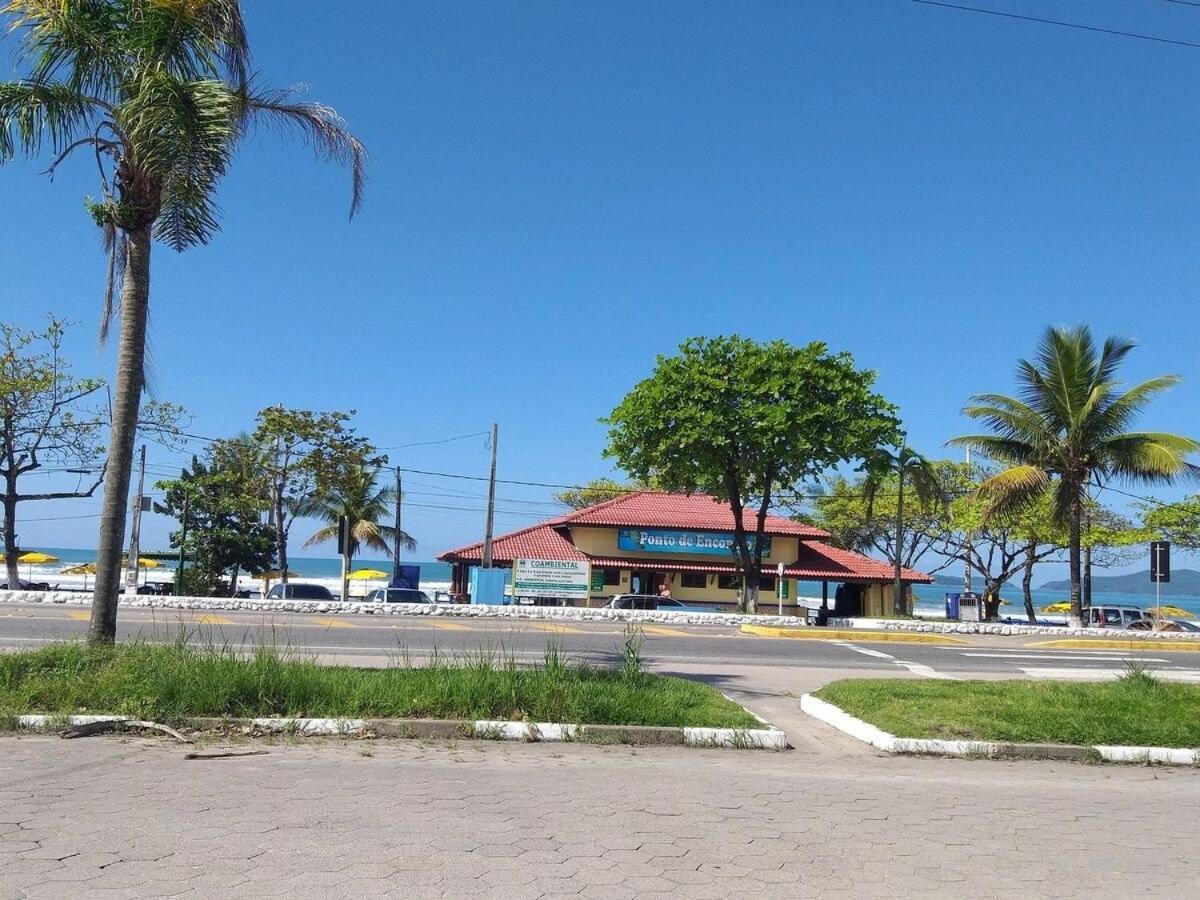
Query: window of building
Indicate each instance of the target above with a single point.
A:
(729, 582)
(612, 576)
(766, 583)
(693, 580)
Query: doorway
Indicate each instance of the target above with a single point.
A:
(643, 581)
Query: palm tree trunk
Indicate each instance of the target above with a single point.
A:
(897, 586)
(127, 399)
(346, 575)
(1073, 529)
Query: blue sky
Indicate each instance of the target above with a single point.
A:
(559, 192)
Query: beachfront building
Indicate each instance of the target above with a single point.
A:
(645, 540)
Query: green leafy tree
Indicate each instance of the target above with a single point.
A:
(1177, 522)
(219, 510)
(598, 490)
(1068, 430)
(355, 495)
(44, 420)
(158, 94)
(303, 454)
(863, 517)
(741, 421)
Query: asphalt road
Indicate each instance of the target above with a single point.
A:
(369, 640)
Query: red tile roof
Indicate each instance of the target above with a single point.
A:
(658, 509)
(550, 540)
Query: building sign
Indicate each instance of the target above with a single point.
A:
(550, 578)
(668, 540)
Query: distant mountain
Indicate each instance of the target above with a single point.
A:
(1184, 583)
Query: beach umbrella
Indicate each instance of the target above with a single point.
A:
(1175, 612)
(35, 557)
(147, 563)
(84, 569)
(1062, 606)
(368, 575)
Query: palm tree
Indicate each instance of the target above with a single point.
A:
(901, 465)
(158, 93)
(355, 496)
(1068, 430)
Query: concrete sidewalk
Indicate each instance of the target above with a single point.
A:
(109, 817)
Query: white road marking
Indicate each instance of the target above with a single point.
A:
(1187, 675)
(1050, 654)
(927, 671)
(865, 651)
(916, 668)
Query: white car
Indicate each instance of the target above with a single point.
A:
(397, 595)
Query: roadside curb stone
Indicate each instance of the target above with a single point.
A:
(766, 738)
(838, 718)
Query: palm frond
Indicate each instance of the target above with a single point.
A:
(1122, 410)
(116, 245)
(1000, 449)
(315, 123)
(1149, 457)
(36, 112)
(184, 133)
(1013, 489)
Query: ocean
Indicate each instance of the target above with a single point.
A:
(930, 598)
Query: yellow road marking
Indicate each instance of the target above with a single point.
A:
(858, 637)
(79, 614)
(668, 632)
(334, 623)
(1151, 644)
(554, 627)
(447, 626)
(213, 620)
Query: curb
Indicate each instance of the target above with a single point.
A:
(768, 738)
(856, 728)
(941, 626)
(834, 634)
(1111, 644)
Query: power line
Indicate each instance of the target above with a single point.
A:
(461, 437)
(1076, 25)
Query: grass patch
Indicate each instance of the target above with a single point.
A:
(168, 683)
(1135, 710)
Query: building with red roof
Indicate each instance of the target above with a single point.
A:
(644, 541)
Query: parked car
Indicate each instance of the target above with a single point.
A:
(397, 595)
(300, 591)
(1117, 617)
(654, 601)
(1147, 624)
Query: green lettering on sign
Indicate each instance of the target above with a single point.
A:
(597, 580)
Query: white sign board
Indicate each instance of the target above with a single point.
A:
(550, 578)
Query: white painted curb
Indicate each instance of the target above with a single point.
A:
(1165, 756)
(769, 738)
(742, 738)
(876, 737)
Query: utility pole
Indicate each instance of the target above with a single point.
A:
(396, 536)
(183, 523)
(135, 531)
(491, 507)
(967, 560)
